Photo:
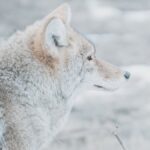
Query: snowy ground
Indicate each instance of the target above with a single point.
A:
(120, 31)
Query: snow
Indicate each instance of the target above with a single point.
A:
(120, 31)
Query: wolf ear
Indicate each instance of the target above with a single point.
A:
(55, 35)
(51, 32)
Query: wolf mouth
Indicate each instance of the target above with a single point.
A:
(102, 87)
(98, 86)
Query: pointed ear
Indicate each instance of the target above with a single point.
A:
(50, 34)
(55, 36)
(63, 12)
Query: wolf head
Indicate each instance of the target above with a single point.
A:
(70, 57)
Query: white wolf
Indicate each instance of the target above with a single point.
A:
(41, 69)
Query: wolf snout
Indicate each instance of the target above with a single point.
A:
(127, 75)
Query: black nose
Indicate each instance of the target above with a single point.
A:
(127, 75)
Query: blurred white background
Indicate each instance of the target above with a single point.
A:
(120, 31)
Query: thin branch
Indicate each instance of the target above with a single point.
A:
(120, 141)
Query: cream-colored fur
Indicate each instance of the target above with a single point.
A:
(41, 69)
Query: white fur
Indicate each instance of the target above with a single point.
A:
(35, 99)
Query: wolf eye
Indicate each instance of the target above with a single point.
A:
(89, 58)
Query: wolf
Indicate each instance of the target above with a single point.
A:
(41, 69)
